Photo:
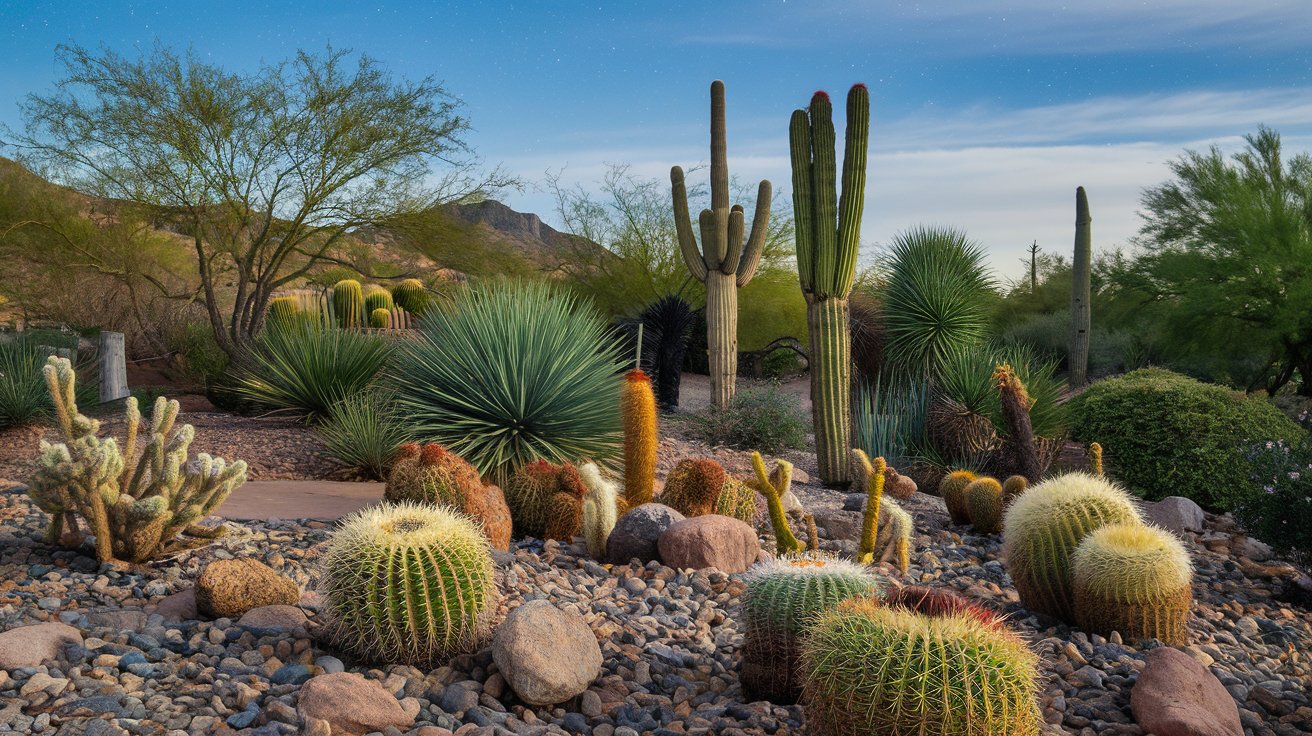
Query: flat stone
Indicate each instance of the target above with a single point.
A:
(29, 646)
(178, 607)
(274, 618)
(352, 705)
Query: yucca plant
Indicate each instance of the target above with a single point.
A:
(304, 367)
(23, 395)
(935, 299)
(889, 420)
(363, 431)
(513, 372)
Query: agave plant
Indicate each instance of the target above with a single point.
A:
(509, 373)
(935, 299)
(23, 394)
(363, 432)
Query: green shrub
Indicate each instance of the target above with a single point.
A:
(512, 372)
(304, 367)
(363, 431)
(1165, 434)
(767, 418)
(198, 354)
(23, 394)
(1281, 513)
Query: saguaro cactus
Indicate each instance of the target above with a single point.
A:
(828, 237)
(725, 261)
(1081, 316)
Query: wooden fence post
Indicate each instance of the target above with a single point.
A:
(113, 367)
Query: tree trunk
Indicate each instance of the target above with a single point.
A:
(722, 336)
(831, 390)
(1081, 276)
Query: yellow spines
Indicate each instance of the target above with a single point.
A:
(1095, 458)
(638, 413)
(874, 493)
(984, 501)
(773, 486)
(953, 491)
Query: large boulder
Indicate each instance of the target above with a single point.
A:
(636, 533)
(546, 655)
(29, 646)
(178, 607)
(230, 588)
(351, 705)
(1177, 696)
(712, 540)
(1176, 513)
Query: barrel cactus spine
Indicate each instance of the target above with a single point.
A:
(953, 490)
(348, 304)
(600, 509)
(641, 438)
(1134, 579)
(726, 261)
(774, 485)
(828, 231)
(984, 502)
(408, 584)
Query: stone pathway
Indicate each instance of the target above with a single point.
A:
(320, 500)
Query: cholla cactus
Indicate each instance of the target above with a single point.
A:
(1134, 579)
(874, 474)
(886, 526)
(600, 509)
(984, 502)
(773, 486)
(953, 490)
(135, 506)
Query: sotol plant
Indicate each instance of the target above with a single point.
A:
(600, 509)
(1046, 524)
(408, 583)
(136, 506)
(1134, 579)
(641, 437)
(782, 597)
(870, 670)
(828, 239)
(726, 261)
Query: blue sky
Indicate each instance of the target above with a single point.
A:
(986, 113)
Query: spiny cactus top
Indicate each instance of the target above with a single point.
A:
(1132, 562)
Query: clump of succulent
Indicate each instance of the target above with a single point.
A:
(348, 304)
(638, 411)
(869, 669)
(408, 584)
(546, 500)
(782, 597)
(1045, 525)
(136, 505)
(376, 298)
(984, 504)
(434, 474)
(693, 487)
(1012, 487)
(953, 490)
(411, 296)
(937, 602)
(600, 508)
(1135, 579)
(737, 499)
(774, 485)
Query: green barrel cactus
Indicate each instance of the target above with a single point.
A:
(737, 499)
(871, 670)
(411, 296)
(782, 597)
(828, 238)
(348, 304)
(1045, 525)
(380, 318)
(728, 256)
(375, 298)
(408, 584)
(283, 309)
(953, 490)
(984, 498)
(1135, 579)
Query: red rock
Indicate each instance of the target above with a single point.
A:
(1177, 696)
(712, 540)
(352, 705)
(29, 646)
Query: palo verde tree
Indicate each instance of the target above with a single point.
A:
(265, 172)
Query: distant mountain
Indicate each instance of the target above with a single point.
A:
(542, 243)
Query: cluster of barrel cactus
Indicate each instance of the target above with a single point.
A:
(433, 474)
(136, 504)
(980, 500)
(546, 500)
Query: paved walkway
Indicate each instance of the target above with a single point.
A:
(321, 500)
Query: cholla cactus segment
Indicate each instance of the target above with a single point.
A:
(1135, 579)
(871, 670)
(1045, 525)
(408, 583)
(135, 505)
(953, 490)
(774, 486)
(984, 504)
(600, 509)
(782, 596)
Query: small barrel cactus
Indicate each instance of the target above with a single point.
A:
(376, 298)
(737, 499)
(600, 509)
(411, 296)
(782, 596)
(380, 318)
(283, 309)
(872, 670)
(638, 412)
(348, 304)
(693, 487)
(434, 474)
(1134, 579)
(953, 490)
(1012, 487)
(531, 493)
(1044, 526)
(984, 503)
(408, 584)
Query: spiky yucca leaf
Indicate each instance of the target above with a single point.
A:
(509, 373)
(1135, 579)
(363, 431)
(303, 366)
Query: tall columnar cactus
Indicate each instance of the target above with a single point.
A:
(953, 490)
(874, 473)
(136, 506)
(411, 296)
(871, 670)
(641, 437)
(773, 486)
(408, 584)
(1045, 525)
(828, 237)
(725, 261)
(348, 304)
(599, 509)
(434, 474)
(782, 597)
(1021, 450)
(1095, 458)
(984, 501)
(1081, 300)
(1134, 579)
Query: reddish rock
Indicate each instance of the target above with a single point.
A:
(181, 606)
(712, 540)
(352, 705)
(29, 646)
(1177, 696)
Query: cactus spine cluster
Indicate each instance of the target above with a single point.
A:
(1081, 301)
(828, 238)
(600, 509)
(638, 413)
(546, 500)
(726, 260)
(773, 485)
(136, 506)
(953, 490)
(870, 670)
(1134, 579)
(408, 583)
(984, 501)
(434, 474)
(348, 304)
(782, 597)
(1045, 525)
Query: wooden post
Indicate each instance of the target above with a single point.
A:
(113, 367)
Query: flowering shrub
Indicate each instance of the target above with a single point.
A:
(1280, 514)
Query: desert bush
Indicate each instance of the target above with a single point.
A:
(1280, 514)
(509, 373)
(23, 394)
(196, 353)
(304, 367)
(889, 420)
(363, 431)
(766, 418)
(1165, 434)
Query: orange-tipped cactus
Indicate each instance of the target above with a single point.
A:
(638, 410)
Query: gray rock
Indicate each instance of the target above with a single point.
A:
(546, 655)
(840, 524)
(273, 618)
(637, 532)
(1177, 514)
